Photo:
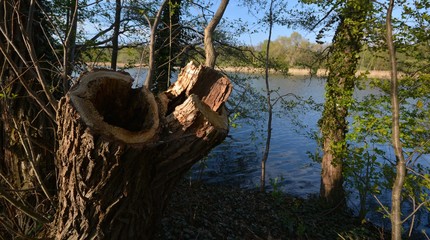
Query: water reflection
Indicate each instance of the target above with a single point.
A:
(237, 160)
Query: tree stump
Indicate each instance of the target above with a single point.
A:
(122, 150)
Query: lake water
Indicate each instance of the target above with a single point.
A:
(237, 160)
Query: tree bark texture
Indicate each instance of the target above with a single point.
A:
(340, 86)
(121, 150)
(27, 128)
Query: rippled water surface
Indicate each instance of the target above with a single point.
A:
(237, 161)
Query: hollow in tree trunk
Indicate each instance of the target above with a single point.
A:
(122, 150)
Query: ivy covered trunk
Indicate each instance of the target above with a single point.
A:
(340, 86)
(122, 150)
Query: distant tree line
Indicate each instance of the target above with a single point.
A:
(294, 51)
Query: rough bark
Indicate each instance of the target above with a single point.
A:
(340, 86)
(122, 149)
(27, 130)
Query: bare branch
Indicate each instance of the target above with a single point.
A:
(30, 48)
(149, 76)
(415, 210)
(382, 205)
(209, 30)
(23, 82)
(23, 208)
(29, 150)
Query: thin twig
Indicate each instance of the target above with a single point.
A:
(382, 205)
(415, 210)
(151, 64)
(23, 208)
(11, 230)
(34, 160)
(24, 83)
(40, 78)
(425, 234)
(28, 148)
(411, 227)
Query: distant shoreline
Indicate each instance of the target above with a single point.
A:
(306, 72)
(292, 71)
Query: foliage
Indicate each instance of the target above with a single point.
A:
(370, 167)
(276, 191)
(293, 51)
(342, 65)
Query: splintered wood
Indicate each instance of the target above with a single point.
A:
(122, 150)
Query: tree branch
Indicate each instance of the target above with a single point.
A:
(209, 30)
(23, 82)
(149, 76)
(23, 208)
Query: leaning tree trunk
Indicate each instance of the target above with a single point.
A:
(122, 149)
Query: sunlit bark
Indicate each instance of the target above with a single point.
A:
(342, 66)
(209, 31)
(122, 150)
(396, 196)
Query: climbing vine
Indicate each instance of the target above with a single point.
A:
(342, 65)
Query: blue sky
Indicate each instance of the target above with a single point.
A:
(257, 32)
(234, 12)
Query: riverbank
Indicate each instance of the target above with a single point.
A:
(202, 211)
(379, 74)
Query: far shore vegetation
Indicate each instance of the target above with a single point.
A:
(293, 55)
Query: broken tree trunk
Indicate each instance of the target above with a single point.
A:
(121, 150)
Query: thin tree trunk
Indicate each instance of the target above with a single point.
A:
(269, 105)
(209, 30)
(167, 45)
(169, 61)
(115, 36)
(151, 64)
(122, 150)
(396, 219)
(70, 42)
